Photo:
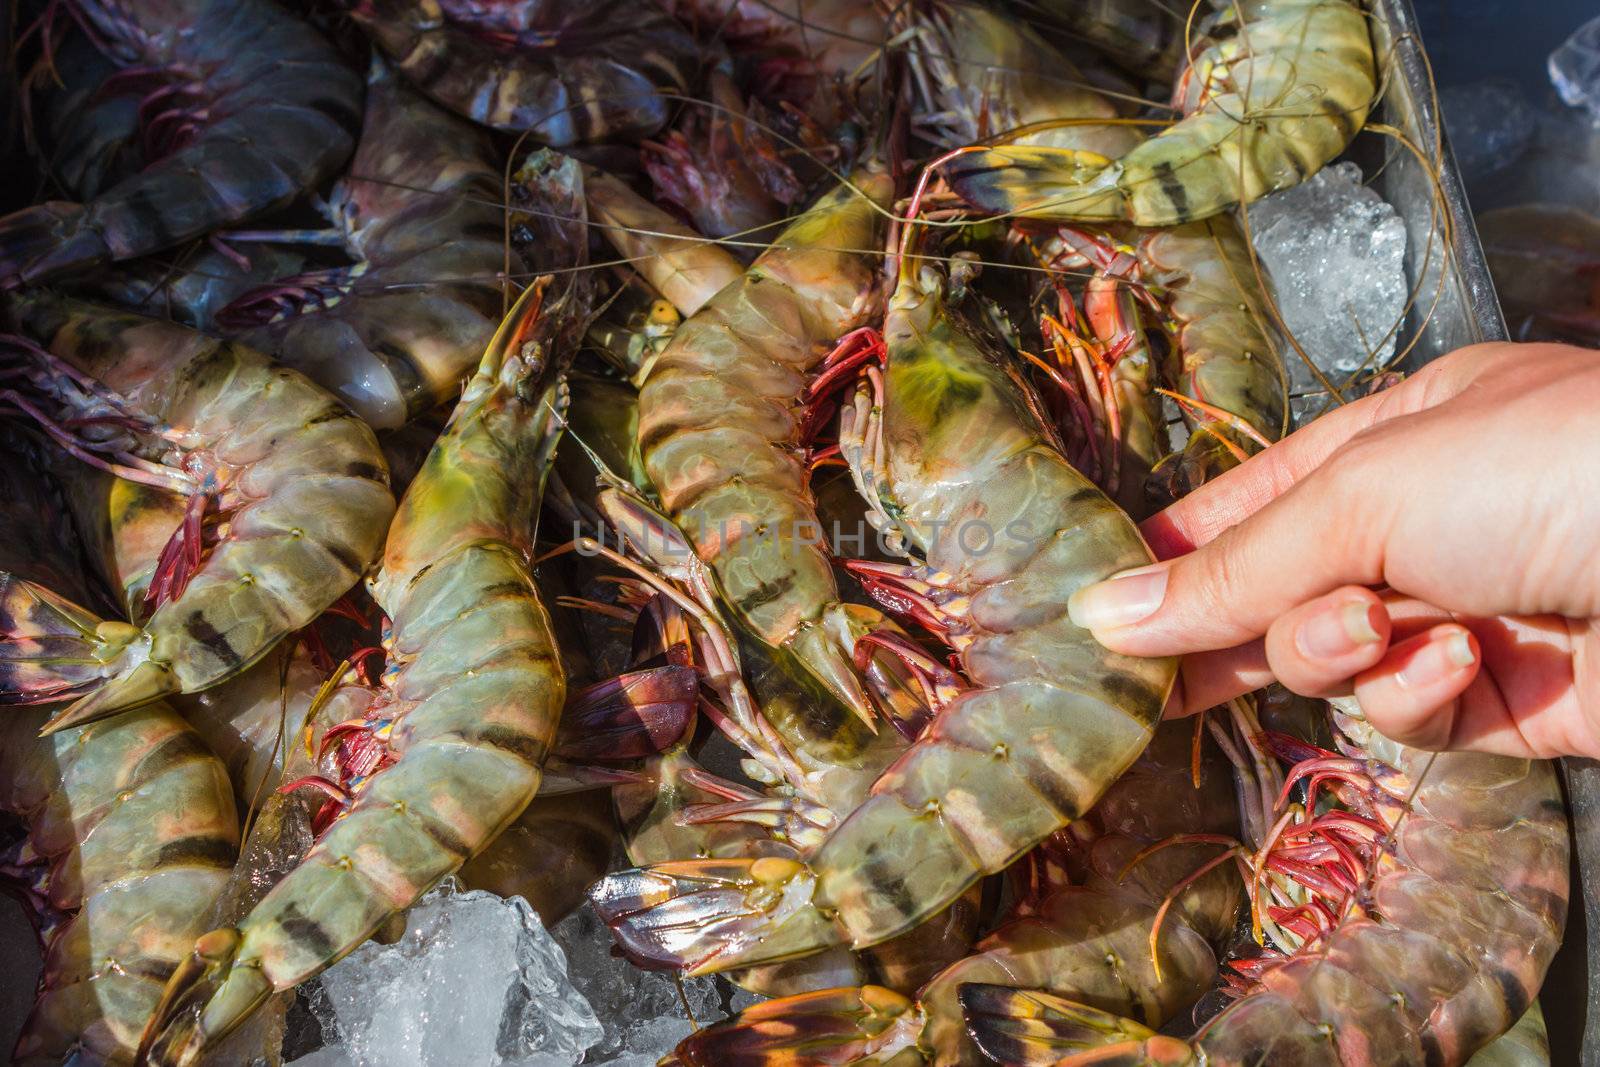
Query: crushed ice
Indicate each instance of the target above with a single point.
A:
(1336, 253)
(477, 979)
(643, 1011)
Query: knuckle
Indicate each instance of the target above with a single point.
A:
(1222, 583)
(1346, 480)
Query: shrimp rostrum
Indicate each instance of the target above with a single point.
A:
(953, 455)
(287, 491)
(1264, 107)
(472, 687)
(244, 108)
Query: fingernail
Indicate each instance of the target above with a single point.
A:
(1121, 600)
(1337, 631)
(1444, 655)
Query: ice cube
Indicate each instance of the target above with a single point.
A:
(1559, 167)
(1491, 125)
(1336, 252)
(643, 1011)
(475, 979)
(1575, 69)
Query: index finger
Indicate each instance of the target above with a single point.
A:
(1233, 497)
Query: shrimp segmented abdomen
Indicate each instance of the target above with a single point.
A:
(136, 822)
(300, 482)
(472, 689)
(570, 73)
(281, 110)
(720, 421)
(1264, 109)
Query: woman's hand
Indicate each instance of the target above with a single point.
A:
(1468, 496)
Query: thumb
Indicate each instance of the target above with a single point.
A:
(1325, 532)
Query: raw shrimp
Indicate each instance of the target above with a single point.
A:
(129, 829)
(1196, 285)
(246, 107)
(1224, 351)
(1142, 36)
(722, 169)
(473, 685)
(1264, 109)
(1051, 718)
(1092, 938)
(979, 74)
(398, 332)
(722, 421)
(250, 720)
(684, 267)
(298, 483)
(1438, 898)
(567, 71)
(131, 833)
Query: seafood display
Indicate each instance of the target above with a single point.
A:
(630, 460)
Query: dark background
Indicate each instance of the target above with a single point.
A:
(1475, 40)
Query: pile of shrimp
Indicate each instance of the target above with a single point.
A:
(636, 455)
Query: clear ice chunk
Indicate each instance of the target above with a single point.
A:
(475, 979)
(1336, 252)
(643, 1011)
(1575, 69)
(1491, 125)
